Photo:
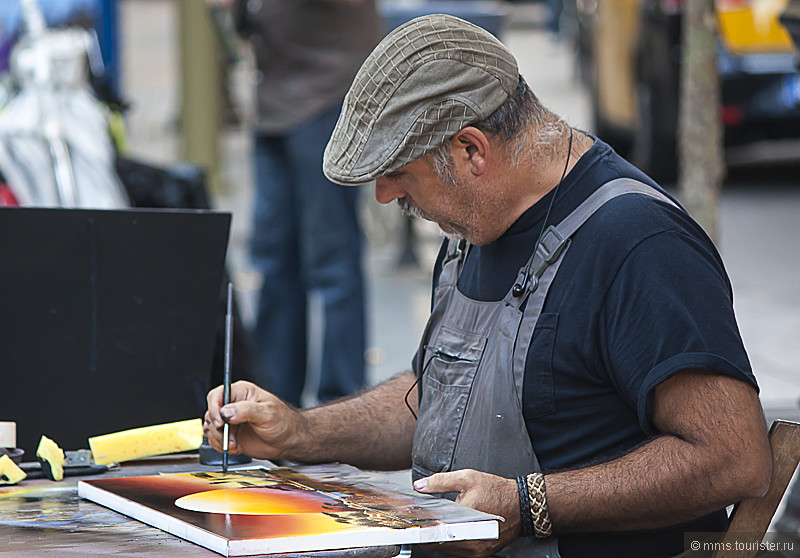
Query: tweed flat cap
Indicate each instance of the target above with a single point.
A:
(423, 83)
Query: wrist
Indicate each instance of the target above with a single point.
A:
(300, 440)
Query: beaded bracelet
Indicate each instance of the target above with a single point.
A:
(540, 515)
(524, 507)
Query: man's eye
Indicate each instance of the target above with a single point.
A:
(395, 175)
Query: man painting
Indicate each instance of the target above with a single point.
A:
(581, 374)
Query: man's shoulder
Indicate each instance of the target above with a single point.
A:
(634, 221)
(636, 213)
(640, 214)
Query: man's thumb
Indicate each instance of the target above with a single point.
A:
(237, 413)
(438, 483)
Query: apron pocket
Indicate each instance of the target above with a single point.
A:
(538, 398)
(451, 362)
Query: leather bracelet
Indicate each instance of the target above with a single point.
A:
(526, 522)
(540, 515)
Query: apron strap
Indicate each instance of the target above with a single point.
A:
(534, 279)
(453, 262)
(557, 237)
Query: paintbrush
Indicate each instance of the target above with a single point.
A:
(226, 393)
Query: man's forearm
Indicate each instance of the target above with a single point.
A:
(717, 454)
(658, 484)
(373, 430)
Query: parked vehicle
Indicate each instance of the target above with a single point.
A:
(630, 57)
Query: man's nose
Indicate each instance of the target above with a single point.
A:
(386, 191)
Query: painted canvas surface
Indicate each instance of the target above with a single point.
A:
(288, 509)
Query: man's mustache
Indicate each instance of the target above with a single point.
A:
(410, 208)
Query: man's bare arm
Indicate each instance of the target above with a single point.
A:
(714, 452)
(373, 430)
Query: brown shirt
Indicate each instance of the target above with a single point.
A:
(307, 53)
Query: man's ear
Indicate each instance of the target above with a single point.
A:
(471, 148)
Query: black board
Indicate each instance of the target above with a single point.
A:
(107, 318)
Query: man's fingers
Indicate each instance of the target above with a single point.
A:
(440, 483)
(214, 396)
(259, 422)
(214, 400)
(240, 391)
(240, 412)
(213, 434)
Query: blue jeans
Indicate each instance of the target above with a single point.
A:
(306, 238)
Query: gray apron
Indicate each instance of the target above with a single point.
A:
(471, 365)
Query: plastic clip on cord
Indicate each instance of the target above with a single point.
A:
(456, 252)
(530, 279)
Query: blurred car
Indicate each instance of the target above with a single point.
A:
(630, 57)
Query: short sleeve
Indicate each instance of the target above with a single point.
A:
(669, 308)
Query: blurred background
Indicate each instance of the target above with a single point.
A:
(150, 103)
(177, 88)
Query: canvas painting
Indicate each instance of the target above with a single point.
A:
(288, 509)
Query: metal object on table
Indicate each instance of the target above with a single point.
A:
(76, 463)
(78, 458)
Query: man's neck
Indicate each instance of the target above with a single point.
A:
(537, 177)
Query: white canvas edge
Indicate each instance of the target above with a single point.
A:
(488, 529)
(154, 518)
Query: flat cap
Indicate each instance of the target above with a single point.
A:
(423, 83)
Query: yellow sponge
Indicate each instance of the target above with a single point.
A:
(52, 458)
(147, 441)
(9, 472)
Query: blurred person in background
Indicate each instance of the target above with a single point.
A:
(306, 236)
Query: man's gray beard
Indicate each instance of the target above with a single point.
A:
(411, 209)
(408, 207)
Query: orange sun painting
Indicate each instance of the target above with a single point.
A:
(252, 501)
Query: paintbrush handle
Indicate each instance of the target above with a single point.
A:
(226, 394)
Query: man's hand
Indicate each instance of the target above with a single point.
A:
(483, 492)
(261, 425)
(372, 430)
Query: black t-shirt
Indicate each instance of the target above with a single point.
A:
(640, 295)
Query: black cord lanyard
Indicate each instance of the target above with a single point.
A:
(518, 287)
